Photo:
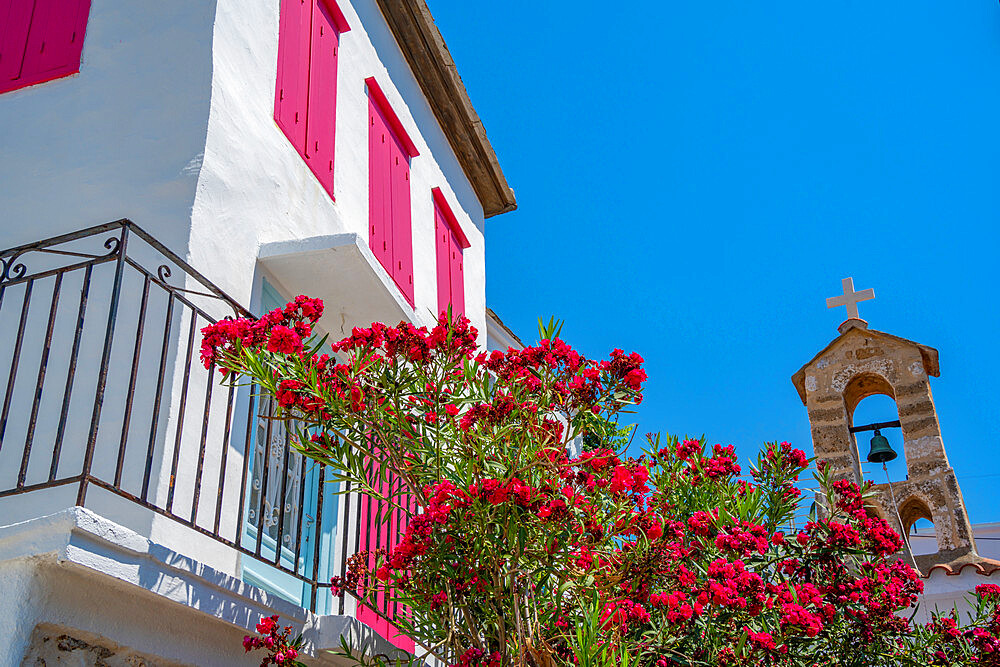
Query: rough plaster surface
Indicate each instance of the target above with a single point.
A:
(119, 138)
(845, 374)
(928, 445)
(54, 645)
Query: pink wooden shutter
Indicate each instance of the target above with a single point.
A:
(379, 191)
(397, 522)
(402, 236)
(442, 252)
(457, 271)
(450, 242)
(382, 526)
(15, 19)
(321, 118)
(378, 531)
(390, 148)
(40, 40)
(387, 540)
(55, 42)
(292, 90)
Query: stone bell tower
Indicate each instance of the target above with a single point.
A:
(862, 362)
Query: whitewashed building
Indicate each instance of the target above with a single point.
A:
(163, 165)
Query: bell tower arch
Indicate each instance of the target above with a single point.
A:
(860, 363)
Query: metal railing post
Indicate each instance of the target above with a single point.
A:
(102, 378)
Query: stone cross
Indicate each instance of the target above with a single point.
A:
(850, 298)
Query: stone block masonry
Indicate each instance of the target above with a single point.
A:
(861, 363)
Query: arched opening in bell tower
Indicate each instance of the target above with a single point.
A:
(918, 523)
(870, 399)
(923, 537)
(874, 409)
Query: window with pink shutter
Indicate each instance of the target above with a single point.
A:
(305, 97)
(40, 40)
(449, 244)
(389, 152)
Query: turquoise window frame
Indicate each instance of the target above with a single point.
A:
(263, 575)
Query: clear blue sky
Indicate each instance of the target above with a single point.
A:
(695, 178)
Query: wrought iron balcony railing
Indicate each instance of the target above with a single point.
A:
(103, 394)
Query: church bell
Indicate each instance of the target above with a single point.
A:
(881, 450)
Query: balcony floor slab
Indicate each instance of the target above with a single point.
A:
(106, 569)
(342, 270)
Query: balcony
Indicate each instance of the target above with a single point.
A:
(342, 270)
(107, 407)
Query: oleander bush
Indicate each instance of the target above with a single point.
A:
(533, 539)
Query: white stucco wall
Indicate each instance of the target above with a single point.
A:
(123, 138)
(987, 539)
(944, 592)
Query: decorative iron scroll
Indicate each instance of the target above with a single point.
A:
(11, 270)
(163, 272)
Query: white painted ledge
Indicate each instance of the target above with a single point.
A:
(342, 270)
(78, 538)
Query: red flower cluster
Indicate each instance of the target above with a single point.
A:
(722, 463)
(574, 382)
(354, 575)
(312, 386)
(280, 649)
(496, 413)
(743, 538)
(475, 657)
(282, 331)
(762, 641)
(620, 613)
(873, 533)
(414, 344)
(630, 480)
(627, 368)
